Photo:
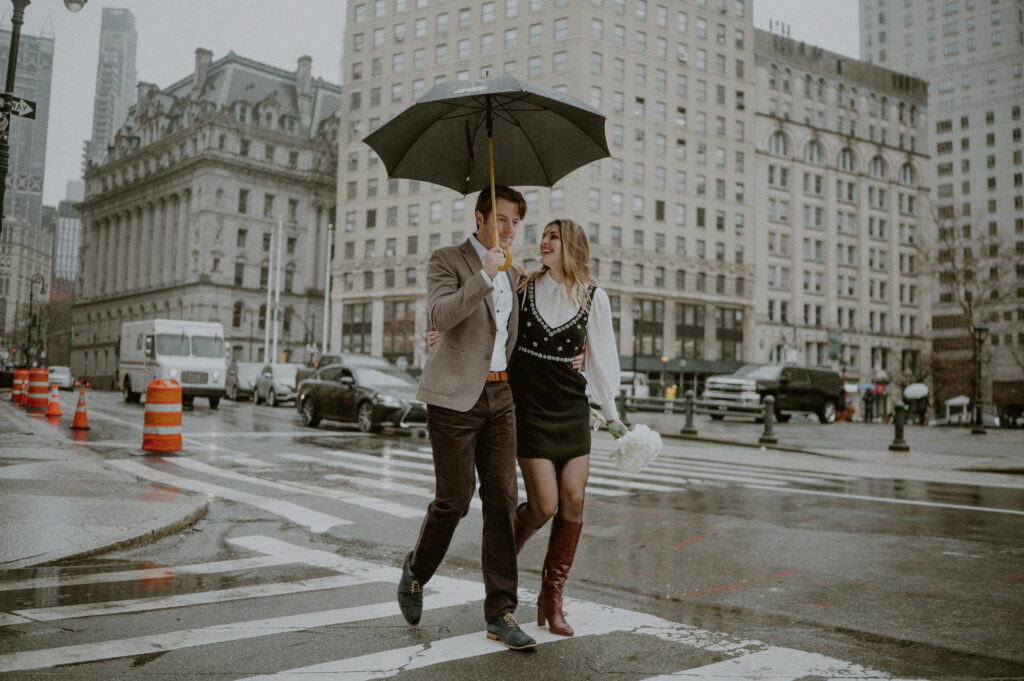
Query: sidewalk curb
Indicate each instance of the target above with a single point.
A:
(169, 523)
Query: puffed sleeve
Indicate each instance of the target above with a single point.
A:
(602, 357)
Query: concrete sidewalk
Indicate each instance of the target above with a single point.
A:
(59, 501)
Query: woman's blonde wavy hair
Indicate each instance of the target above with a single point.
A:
(575, 262)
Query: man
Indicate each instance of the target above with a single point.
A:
(470, 413)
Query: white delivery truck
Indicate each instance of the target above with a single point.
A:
(192, 353)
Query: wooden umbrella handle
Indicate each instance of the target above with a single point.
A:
(494, 206)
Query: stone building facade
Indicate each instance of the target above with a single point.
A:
(842, 181)
(971, 53)
(179, 218)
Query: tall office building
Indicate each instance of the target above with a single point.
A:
(203, 178)
(115, 80)
(972, 54)
(842, 181)
(24, 197)
(66, 244)
(670, 215)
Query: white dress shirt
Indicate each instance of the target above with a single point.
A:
(602, 357)
(501, 294)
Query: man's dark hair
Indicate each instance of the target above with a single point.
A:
(483, 202)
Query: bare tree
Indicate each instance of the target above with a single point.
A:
(977, 276)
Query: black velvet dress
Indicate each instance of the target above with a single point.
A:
(552, 413)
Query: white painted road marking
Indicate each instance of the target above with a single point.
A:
(314, 520)
(372, 503)
(63, 612)
(749, 659)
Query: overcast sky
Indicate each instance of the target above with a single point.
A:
(276, 32)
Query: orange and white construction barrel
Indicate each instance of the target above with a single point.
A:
(161, 429)
(38, 388)
(20, 380)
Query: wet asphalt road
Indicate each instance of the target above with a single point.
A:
(718, 559)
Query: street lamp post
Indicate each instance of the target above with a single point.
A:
(30, 349)
(17, 19)
(980, 334)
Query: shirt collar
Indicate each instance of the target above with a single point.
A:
(478, 247)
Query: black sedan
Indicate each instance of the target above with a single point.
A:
(369, 396)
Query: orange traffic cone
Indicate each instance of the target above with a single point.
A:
(53, 408)
(81, 420)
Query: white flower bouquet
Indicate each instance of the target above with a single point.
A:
(637, 448)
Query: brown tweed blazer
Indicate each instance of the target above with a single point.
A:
(459, 305)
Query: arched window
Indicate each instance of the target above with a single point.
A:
(813, 153)
(787, 77)
(884, 113)
(846, 161)
(841, 96)
(902, 110)
(773, 76)
(236, 314)
(821, 89)
(873, 104)
(853, 98)
(778, 144)
(263, 316)
(907, 174)
(808, 85)
(913, 115)
(878, 168)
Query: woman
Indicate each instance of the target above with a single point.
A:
(562, 312)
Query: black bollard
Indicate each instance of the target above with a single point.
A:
(899, 444)
(690, 407)
(768, 436)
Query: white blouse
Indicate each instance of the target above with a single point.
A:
(601, 360)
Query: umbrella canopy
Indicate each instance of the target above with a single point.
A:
(915, 391)
(539, 135)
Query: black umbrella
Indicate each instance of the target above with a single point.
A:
(452, 135)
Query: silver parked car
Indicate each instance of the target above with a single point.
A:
(275, 384)
(241, 379)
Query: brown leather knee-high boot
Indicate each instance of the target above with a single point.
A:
(522, 530)
(565, 535)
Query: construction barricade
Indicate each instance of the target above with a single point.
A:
(38, 389)
(161, 428)
(81, 419)
(20, 385)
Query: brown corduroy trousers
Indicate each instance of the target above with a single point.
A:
(480, 441)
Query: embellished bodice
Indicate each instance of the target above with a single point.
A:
(561, 343)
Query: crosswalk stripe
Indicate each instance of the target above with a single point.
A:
(314, 520)
(447, 596)
(62, 612)
(775, 664)
(728, 478)
(888, 500)
(381, 505)
(8, 619)
(652, 474)
(145, 573)
(385, 484)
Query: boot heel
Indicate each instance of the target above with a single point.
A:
(493, 637)
(540, 610)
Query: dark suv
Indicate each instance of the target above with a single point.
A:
(818, 390)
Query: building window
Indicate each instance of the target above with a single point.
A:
(357, 323)
(648, 326)
(729, 334)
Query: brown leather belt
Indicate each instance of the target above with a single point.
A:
(497, 376)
